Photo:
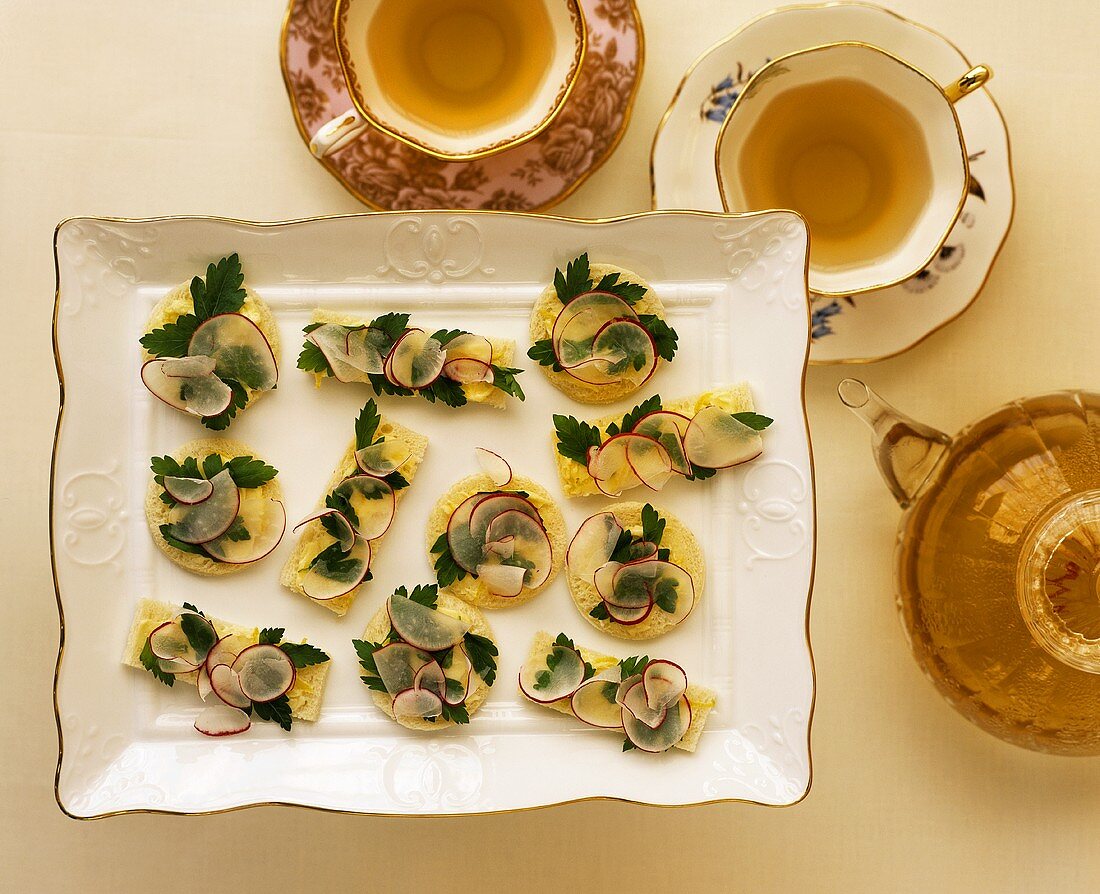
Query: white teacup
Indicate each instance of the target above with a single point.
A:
(457, 79)
(867, 148)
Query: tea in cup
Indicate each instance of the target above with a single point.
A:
(457, 79)
(867, 148)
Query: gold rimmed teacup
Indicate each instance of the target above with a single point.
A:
(457, 79)
(865, 146)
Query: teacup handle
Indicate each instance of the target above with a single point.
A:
(968, 83)
(337, 133)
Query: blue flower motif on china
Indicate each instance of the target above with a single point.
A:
(724, 94)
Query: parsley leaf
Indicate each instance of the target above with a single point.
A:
(445, 336)
(338, 564)
(366, 425)
(396, 480)
(303, 654)
(152, 664)
(247, 471)
(628, 745)
(222, 420)
(447, 570)
(447, 391)
(599, 612)
(753, 420)
(504, 378)
(192, 548)
(627, 423)
(542, 352)
(382, 385)
(277, 710)
(200, 633)
(394, 325)
(482, 652)
(630, 292)
(665, 595)
(575, 438)
(664, 336)
(365, 650)
(455, 713)
(173, 339)
(312, 358)
(271, 636)
(633, 665)
(167, 465)
(700, 473)
(653, 526)
(221, 293)
(576, 280)
(425, 594)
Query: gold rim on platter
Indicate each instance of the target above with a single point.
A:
(291, 221)
(871, 7)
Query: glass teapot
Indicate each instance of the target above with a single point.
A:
(998, 561)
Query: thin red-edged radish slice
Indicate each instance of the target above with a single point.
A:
(431, 677)
(593, 544)
(366, 348)
(544, 685)
(634, 701)
(663, 682)
(383, 458)
(227, 686)
(668, 430)
(329, 577)
(649, 461)
(672, 575)
(265, 521)
(639, 551)
(594, 309)
(594, 703)
(628, 617)
(610, 467)
(470, 347)
(505, 581)
(202, 682)
(168, 641)
(416, 360)
(264, 671)
(423, 627)
(468, 526)
(176, 666)
(495, 466)
(348, 357)
(458, 671)
(218, 720)
(531, 545)
(668, 733)
(467, 372)
(240, 350)
(205, 521)
(594, 371)
(373, 501)
(188, 367)
(603, 579)
(629, 347)
(494, 504)
(715, 440)
(346, 533)
(504, 548)
(416, 704)
(188, 491)
(204, 395)
(398, 664)
(459, 540)
(224, 651)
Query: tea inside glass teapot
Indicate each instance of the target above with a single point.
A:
(998, 561)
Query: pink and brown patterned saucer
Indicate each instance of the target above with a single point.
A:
(387, 174)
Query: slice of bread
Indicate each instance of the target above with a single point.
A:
(379, 628)
(179, 302)
(314, 538)
(546, 310)
(684, 550)
(309, 683)
(702, 700)
(472, 590)
(504, 354)
(575, 480)
(157, 511)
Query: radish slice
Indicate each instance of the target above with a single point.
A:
(423, 627)
(634, 701)
(468, 526)
(668, 430)
(628, 617)
(649, 461)
(458, 670)
(494, 465)
(221, 720)
(168, 641)
(502, 580)
(366, 348)
(715, 440)
(176, 666)
(222, 652)
(659, 582)
(417, 704)
(373, 502)
(431, 677)
(187, 367)
(468, 372)
(352, 355)
(593, 544)
(663, 682)
(610, 468)
(205, 521)
(461, 544)
(594, 371)
(204, 395)
(505, 548)
(604, 579)
(398, 665)
(346, 533)
(265, 522)
(188, 491)
(227, 686)
(383, 458)
(668, 733)
(594, 703)
(203, 683)
(544, 684)
(531, 545)
(265, 672)
(416, 360)
(576, 326)
(241, 352)
(629, 347)
(492, 505)
(331, 577)
(470, 347)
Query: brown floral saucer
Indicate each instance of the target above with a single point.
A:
(387, 174)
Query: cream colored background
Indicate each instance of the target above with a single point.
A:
(131, 107)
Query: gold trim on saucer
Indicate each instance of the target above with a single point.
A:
(773, 66)
(343, 53)
(275, 224)
(874, 8)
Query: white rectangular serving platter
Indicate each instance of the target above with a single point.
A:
(735, 290)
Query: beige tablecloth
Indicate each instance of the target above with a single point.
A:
(132, 108)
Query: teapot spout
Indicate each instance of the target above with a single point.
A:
(907, 453)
